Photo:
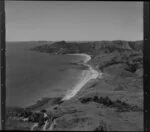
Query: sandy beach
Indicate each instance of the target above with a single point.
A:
(86, 76)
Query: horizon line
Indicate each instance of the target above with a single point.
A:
(72, 40)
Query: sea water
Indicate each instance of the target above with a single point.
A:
(32, 75)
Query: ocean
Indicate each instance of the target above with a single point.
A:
(31, 75)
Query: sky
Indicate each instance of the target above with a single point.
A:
(73, 20)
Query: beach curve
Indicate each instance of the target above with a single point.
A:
(86, 76)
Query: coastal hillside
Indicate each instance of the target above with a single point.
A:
(111, 102)
(93, 48)
(103, 53)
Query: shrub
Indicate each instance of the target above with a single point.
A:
(85, 100)
(106, 101)
(102, 127)
(95, 99)
(43, 111)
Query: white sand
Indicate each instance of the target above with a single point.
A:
(88, 57)
(86, 76)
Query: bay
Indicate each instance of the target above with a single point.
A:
(32, 75)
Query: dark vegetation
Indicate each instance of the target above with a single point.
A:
(32, 116)
(102, 127)
(103, 53)
(106, 101)
(93, 48)
(93, 85)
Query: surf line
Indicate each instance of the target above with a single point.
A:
(87, 75)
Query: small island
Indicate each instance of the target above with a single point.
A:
(112, 101)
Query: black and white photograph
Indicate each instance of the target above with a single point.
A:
(74, 66)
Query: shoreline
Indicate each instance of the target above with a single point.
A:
(111, 102)
(88, 57)
(86, 77)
